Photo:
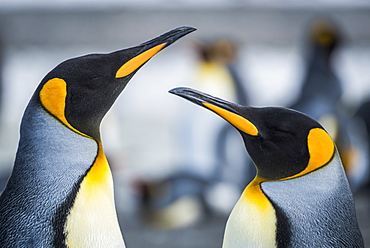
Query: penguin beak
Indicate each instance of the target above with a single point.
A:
(225, 109)
(151, 48)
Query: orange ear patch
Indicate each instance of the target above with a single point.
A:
(53, 99)
(321, 149)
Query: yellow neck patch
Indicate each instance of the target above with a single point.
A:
(253, 190)
(236, 120)
(252, 222)
(99, 172)
(53, 99)
(134, 63)
(321, 149)
(92, 221)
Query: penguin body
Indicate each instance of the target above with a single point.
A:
(60, 193)
(333, 206)
(28, 205)
(303, 212)
(300, 196)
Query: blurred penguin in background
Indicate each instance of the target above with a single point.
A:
(217, 68)
(4, 171)
(1, 71)
(212, 165)
(362, 115)
(217, 72)
(320, 98)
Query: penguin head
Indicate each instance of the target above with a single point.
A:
(324, 35)
(80, 91)
(282, 143)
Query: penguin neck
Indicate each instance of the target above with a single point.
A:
(70, 175)
(321, 57)
(92, 220)
(252, 222)
(254, 191)
(315, 208)
(50, 163)
(99, 173)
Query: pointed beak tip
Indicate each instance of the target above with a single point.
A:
(184, 30)
(172, 91)
(188, 29)
(178, 90)
(177, 33)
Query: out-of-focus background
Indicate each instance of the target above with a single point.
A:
(179, 169)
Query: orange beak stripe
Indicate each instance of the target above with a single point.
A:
(236, 120)
(134, 63)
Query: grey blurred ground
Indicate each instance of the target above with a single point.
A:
(38, 38)
(208, 233)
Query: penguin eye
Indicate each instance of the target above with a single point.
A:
(94, 83)
(286, 132)
(281, 130)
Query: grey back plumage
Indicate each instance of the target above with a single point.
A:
(34, 201)
(315, 210)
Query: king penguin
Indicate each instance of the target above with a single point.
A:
(321, 99)
(60, 192)
(300, 196)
